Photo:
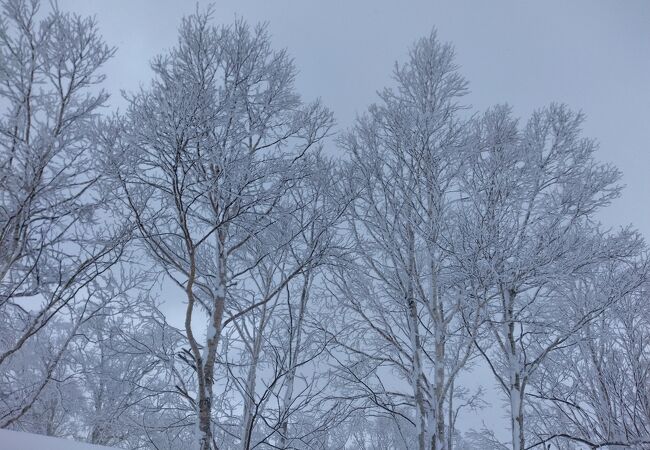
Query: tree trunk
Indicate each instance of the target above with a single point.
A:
(516, 388)
(438, 400)
(205, 413)
(451, 422)
(291, 375)
(205, 361)
(517, 417)
(251, 383)
(414, 331)
(438, 439)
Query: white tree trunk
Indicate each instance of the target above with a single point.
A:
(291, 375)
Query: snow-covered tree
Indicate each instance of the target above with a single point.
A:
(403, 300)
(57, 245)
(278, 371)
(531, 240)
(205, 156)
(596, 392)
(326, 303)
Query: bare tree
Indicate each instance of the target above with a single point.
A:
(406, 154)
(56, 248)
(595, 392)
(120, 363)
(280, 347)
(530, 199)
(326, 303)
(205, 156)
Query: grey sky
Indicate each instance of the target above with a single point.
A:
(593, 55)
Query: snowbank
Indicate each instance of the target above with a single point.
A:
(13, 440)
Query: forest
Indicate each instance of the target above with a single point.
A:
(218, 266)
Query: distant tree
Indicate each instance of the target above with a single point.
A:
(596, 393)
(120, 362)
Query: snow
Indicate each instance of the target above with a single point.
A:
(14, 440)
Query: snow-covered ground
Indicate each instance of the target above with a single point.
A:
(13, 440)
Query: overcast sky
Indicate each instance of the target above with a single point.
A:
(592, 55)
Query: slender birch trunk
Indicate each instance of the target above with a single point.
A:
(416, 342)
(291, 375)
(251, 384)
(438, 439)
(205, 361)
(516, 377)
